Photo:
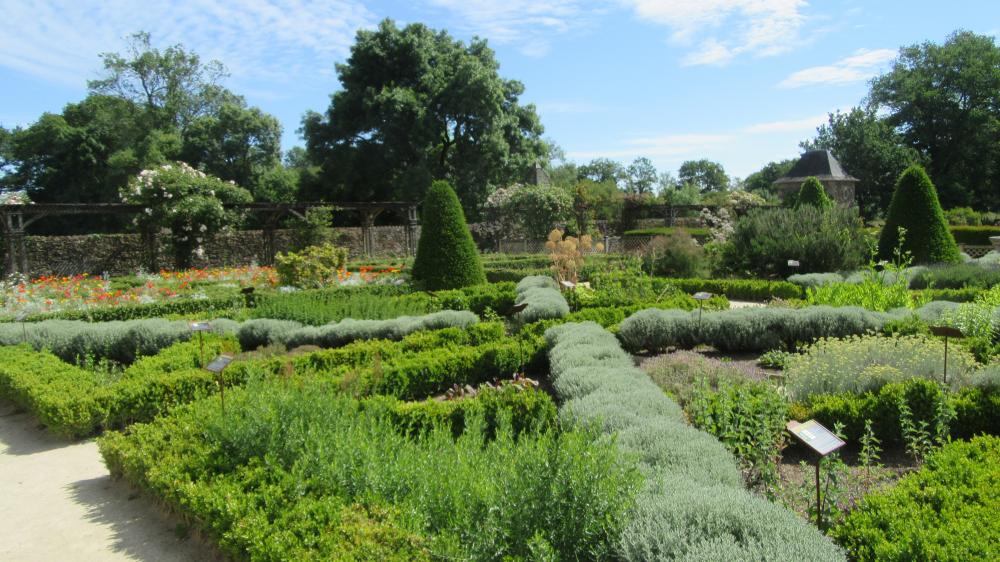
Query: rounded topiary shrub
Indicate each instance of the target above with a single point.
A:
(915, 208)
(813, 193)
(446, 255)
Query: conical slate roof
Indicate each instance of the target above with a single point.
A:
(817, 163)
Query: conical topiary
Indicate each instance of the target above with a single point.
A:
(813, 193)
(915, 207)
(446, 255)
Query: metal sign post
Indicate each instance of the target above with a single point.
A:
(823, 442)
(200, 327)
(217, 366)
(21, 317)
(701, 297)
(946, 332)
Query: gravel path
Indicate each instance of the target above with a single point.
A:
(58, 503)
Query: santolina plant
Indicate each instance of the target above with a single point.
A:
(542, 299)
(693, 505)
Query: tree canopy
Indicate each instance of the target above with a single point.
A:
(705, 174)
(417, 105)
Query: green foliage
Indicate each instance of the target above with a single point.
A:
(676, 254)
(763, 180)
(379, 142)
(963, 216)
(915, 208)
(185, 201)
(312, 268)
(313, 229)
(542, 298)
(466, 498)
(74, 402)
(446, 255)
(865, 363)
(870, 149)
(318, 307)
(956, 276)
(220, 306)
(942, 100)
(765, 239)
(814, 280)
(693, 504)
(708, 176)
(944, 511)
(527, 210)
(813, 193)
(974, 235)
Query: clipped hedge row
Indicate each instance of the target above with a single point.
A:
(757, 329)
(974, 235)
(693, 506)
(180, 305)
(542, 299)
(73, 402)
(945, 511)
(120, 341)
(255, 333)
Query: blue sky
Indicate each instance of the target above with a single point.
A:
(736, 81)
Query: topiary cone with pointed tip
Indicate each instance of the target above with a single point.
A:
(446, 254)
(916, 208)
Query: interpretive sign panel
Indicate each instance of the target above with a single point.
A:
(816, 437)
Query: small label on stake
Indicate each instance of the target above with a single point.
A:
(199, 326)
(702, 296)
(815, 436)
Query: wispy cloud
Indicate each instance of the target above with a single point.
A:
(719, 30)
(788, 126)
(862, 65)
(529, 24)
(282, 41)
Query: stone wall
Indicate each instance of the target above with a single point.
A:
(122, 254)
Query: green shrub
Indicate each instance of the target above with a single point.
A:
(821, 241)
(313, 267)
(956, 276)
(222, 306)
(813, 193)
(945, 511)
(963, 216)
(915, 208)
(676, 254)
(288, 471)
(446, 255)
(693, 503)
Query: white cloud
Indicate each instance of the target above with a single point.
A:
(723, 29)
(528, 24)
(284, 41)
(789, 126)
(862, 65)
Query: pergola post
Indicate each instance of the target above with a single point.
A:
(367, 232)
(150, 250)
(411, 230)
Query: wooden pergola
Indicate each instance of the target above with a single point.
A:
(15, 219)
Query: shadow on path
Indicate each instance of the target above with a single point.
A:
(22, 434)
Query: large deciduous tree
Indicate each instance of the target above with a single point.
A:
(870, 149)
(944, 100)
(602, 170)
(641, 176)
(705, 174)
(416, 105)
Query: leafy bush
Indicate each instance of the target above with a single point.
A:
(693, 504)
(916, 210)
(676, 254)
(765, 239)
(313, 267)
(813, 193)
(542, 297)
(945, 511)
(963, 216)
(865, 363)
(342, 482)
(446, 255)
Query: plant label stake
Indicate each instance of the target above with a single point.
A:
(217, 366)
(823, 442)
(701, 297)
(793, 263)
(21, 317)
(200, 327)
(946, 332)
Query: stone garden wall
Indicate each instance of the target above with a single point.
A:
(121, 254)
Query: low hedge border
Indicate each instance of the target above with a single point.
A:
(947, 510)
(180, 305)
(974, 235)
(693, 505)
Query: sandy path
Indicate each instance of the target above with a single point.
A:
(58, 503)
